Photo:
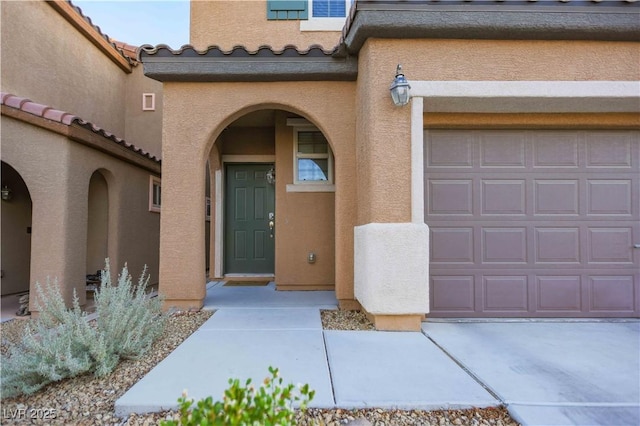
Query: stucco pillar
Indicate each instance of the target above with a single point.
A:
(391, 242)
(345, 215)
(59, 228)
(182, 244)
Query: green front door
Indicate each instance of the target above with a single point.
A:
(249, 207)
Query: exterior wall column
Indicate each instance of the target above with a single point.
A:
(59, 224)
(391, 246)
(182, 245)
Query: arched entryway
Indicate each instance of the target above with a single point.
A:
(16, 232)
(272, 186)
(97, 223)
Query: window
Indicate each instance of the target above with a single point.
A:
(326, 15)
(148, 101)
(313, 162)
(328, 8)
(312, 159)
(155, 197)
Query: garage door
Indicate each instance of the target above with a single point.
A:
(530, 223)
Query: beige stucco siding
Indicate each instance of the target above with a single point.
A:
(57, 173)
(527, 60)
(143, 128)
(304, 224)
(383, 142)
(216, 23)
(247, 141)
(195, 114)
(48, 61)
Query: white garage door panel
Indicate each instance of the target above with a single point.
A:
(533, 223)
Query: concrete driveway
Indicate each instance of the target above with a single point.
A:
(551, 372)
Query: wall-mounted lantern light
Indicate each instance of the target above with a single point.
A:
(271, 176)
(400, 88)
(5, 193)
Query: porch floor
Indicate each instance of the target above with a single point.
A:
(220, 296)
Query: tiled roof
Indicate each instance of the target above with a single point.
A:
(120, 47)
(128, 50)
(289, 51)
(49, 113)
(241, 64)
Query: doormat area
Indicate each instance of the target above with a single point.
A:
(246, 283)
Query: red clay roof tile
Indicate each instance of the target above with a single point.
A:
(26, 105)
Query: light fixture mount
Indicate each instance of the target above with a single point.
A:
(6, 193)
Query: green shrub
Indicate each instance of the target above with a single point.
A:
(61, 343)
(270, 405)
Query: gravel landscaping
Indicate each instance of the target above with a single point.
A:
(87, 400)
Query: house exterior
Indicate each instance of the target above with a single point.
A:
(508, 187)
(81, 145)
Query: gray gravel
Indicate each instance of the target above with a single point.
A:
(345, 320)
(88, 400)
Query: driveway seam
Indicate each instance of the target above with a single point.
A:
(466, 370)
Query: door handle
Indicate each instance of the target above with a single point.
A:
(272, 224)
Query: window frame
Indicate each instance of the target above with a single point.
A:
(325, 23)
(302, 125)
(153, 182)
(148, 101)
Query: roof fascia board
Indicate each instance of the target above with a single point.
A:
(553, 6)
(86, 137)
(208, 69)
(67, 11)
(490, 24)
(53, 126)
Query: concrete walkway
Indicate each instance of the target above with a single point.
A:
(545, 372)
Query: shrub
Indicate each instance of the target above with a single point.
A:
(62, 343)
(270, 405)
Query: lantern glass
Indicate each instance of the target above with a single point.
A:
(400, 89)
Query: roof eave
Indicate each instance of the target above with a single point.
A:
(240, 65)
(490, 24)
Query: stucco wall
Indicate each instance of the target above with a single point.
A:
(508, 59)
(216, 23)
(48, 61)
(304, 224)
(57, 173)
(382, 140)
(143, 128)
(195, 114)
(247, 141)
